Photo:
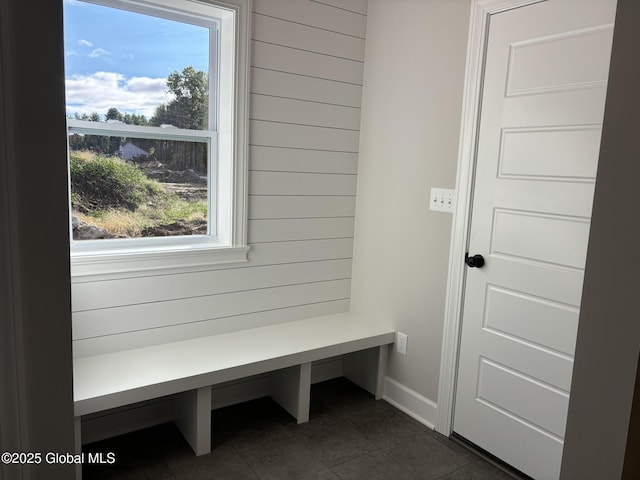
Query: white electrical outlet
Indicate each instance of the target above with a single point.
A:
(442, 200)
(401, 343)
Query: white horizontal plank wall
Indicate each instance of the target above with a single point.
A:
(306, 87)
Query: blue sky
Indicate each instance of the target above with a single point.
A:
(115, 58)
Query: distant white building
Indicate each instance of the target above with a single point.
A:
(129, 151)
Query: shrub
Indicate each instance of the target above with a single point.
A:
(103, 183)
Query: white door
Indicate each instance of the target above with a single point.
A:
(542, 106)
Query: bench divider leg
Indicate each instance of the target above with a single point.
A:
(368, 369)
(192, 416)
(291, 388)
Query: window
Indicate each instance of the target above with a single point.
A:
(156, 113)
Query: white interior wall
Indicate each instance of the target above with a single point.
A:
(306, 86)
(411, 113)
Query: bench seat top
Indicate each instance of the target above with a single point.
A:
(111, 380)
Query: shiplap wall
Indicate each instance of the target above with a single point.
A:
(306, 85)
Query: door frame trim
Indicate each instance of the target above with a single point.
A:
(481, 11)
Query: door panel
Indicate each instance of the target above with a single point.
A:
(558, 53)
(509, 390)
(540, 321)
(551, 239)
(543, 98)
(550, 153)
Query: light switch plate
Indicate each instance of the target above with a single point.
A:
(442, 200)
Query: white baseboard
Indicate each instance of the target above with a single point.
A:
(130, 418)
(411, 402)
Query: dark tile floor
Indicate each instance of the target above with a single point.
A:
(350, 436)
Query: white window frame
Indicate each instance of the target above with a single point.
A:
(228, 143)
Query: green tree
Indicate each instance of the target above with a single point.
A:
(95, 143)
(134, 119)
(114, 114)
(189, 110)
(93, 117)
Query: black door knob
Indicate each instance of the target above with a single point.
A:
(477, 261)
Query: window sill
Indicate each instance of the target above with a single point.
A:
(115, 265)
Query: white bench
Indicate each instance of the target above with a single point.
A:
(188, 369)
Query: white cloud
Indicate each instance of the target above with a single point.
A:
(146, 85)
(85, 43)
(99, 52)
(70, 53)
(102, 90)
